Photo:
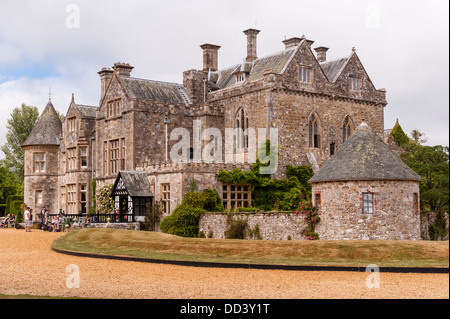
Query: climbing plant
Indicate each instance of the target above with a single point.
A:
(311, 217)
(105, 203)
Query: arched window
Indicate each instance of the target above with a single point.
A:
(346, 129)
(314, 137)
(241, 120)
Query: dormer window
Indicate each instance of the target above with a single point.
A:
(304, 74)
(113, 108)
(355, 84)
(240, 77)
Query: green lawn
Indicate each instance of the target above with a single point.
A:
(325, 253)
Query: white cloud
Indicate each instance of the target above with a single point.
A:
(407, 53)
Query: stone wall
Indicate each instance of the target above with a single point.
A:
(394, 217)
(46, 182)
(272, 226)
(280, 226)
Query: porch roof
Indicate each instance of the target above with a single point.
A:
(134, 182)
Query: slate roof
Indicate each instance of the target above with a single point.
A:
(333, 68)
(136, 183)
(364, 157)
(275, 62)
(47, 129)
(155, 90)
(87, 110)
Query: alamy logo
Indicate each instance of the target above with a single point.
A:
(373, 280)
(73, 278)
(73, 19)
(240, 146)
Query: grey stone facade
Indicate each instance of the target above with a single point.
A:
(130, 128)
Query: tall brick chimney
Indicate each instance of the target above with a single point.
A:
(105, 76)
(123, 69)
(210, 57)
(251, 44)
(321, 53)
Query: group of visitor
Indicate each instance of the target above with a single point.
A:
(52, 225)
(11, 218)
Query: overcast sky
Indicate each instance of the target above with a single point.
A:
(403, 45)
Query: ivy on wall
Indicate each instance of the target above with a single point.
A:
(273, 194)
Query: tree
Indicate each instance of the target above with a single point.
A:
(19, 126)
(432, 164)
(7, 184)
(398, 135)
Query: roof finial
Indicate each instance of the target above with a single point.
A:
(354, 49)
(73, 98)
(49, 93)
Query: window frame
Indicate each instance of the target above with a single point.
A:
(305, 74)
(347, 129)
(368, 203)
(84, 157)
(416, 203)
(165, 197)
(355, 83)
(313, 132)
(233, 195)
(241, 123)
(39, 162)
(39, 199)
(83, 192)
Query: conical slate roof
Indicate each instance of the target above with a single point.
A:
(364, 157)
(47, 128)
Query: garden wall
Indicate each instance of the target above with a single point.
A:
(282, 225)
(272, 226)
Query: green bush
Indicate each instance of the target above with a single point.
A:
(183, 221)
(185, 218)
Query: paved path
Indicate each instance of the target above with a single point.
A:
(37, 270)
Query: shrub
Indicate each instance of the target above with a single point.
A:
(183, 221)
(185, 218)
(237, 228)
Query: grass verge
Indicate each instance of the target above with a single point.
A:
(154, 245)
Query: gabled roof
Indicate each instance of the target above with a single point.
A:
(365, 157)
(47, 129)
(155, 90)
(333, 69)
(276, 63)
(134, 182)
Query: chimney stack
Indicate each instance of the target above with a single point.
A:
(251, 44)
(321, 54)
(210, 57)
(292, 42)
(123, 69)
(105, 76)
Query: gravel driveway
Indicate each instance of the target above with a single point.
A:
(37, 270)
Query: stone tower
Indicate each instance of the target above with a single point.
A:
(367, 192)
(41, 150)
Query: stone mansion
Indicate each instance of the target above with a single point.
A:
(314, 102)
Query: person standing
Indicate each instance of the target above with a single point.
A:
(27, 218)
